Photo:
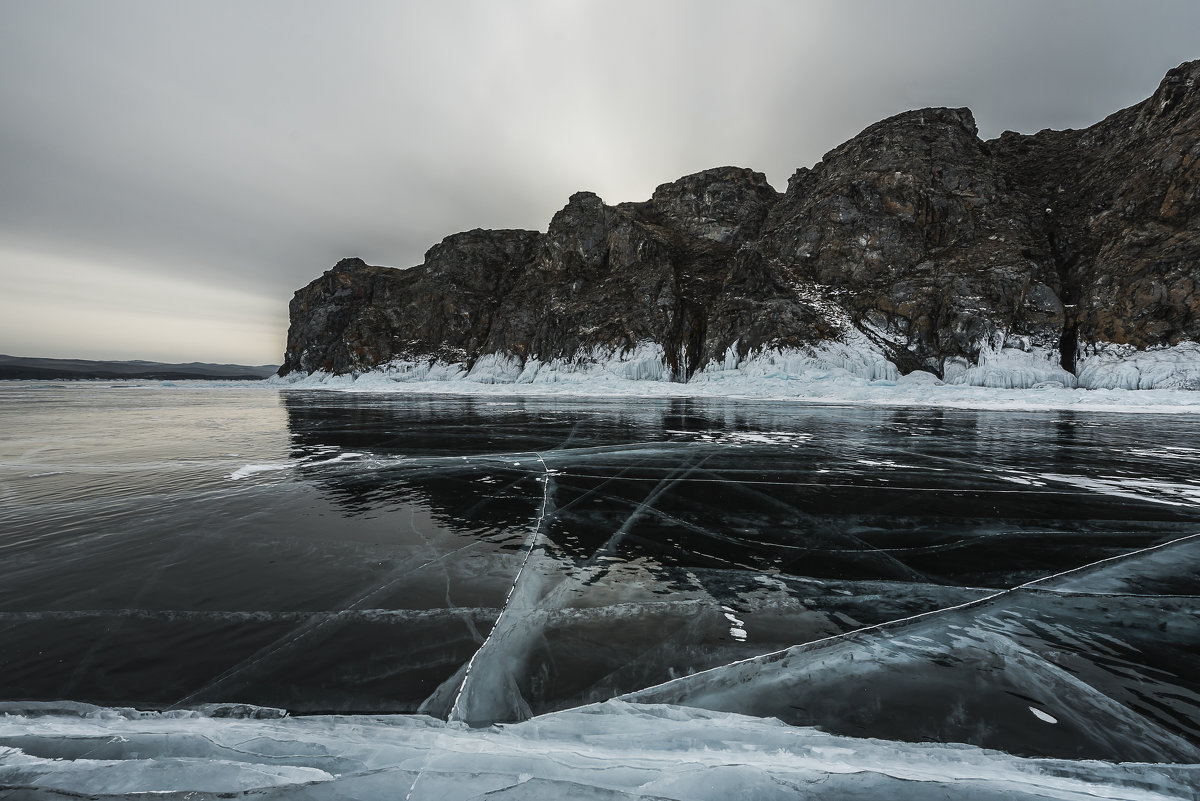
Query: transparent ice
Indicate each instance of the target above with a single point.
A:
(216, 589)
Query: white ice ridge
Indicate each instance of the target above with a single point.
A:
(853, 371)
(612, 751)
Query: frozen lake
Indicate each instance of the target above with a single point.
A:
(495, 559)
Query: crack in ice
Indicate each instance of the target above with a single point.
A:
(455, 708)
(898, 622)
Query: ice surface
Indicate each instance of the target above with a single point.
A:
(1167, 570)
(614, 750)
(497, 558)
(1086, 660)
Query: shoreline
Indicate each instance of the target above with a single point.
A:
(840, 391)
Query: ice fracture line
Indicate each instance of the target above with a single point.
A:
(534, 538)
(888, 625)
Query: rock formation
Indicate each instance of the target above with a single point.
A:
(914, 246)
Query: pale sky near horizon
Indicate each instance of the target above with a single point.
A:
(170, 173)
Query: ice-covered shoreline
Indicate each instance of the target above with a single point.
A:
(1004, 378)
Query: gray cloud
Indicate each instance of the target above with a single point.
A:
(247, 146)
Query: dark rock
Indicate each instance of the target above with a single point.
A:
(1118, 213)
(915, 237)
(912, 228)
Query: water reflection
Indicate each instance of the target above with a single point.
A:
(848, 494)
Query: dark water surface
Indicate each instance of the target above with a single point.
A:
(488, 559)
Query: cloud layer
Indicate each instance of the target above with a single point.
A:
(171, 172)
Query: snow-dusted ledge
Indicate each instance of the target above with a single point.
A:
(1110, 378)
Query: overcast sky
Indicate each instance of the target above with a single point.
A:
(171, 172)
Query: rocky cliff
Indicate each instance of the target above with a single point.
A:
(1062, 256)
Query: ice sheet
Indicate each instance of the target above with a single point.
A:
(1094, 662)
(531, 555)
(613, 750)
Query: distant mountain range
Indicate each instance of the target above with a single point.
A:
(32, 368)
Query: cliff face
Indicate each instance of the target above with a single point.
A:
(915, 241)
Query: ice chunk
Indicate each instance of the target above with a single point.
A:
(919, 377)
(822, 362)
(1040, 715)
(496, 368)
(251, 469)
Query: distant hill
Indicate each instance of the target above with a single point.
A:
(32, 368)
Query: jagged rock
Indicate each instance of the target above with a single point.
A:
(1118, 213)
(912, 228)
(914, 240)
